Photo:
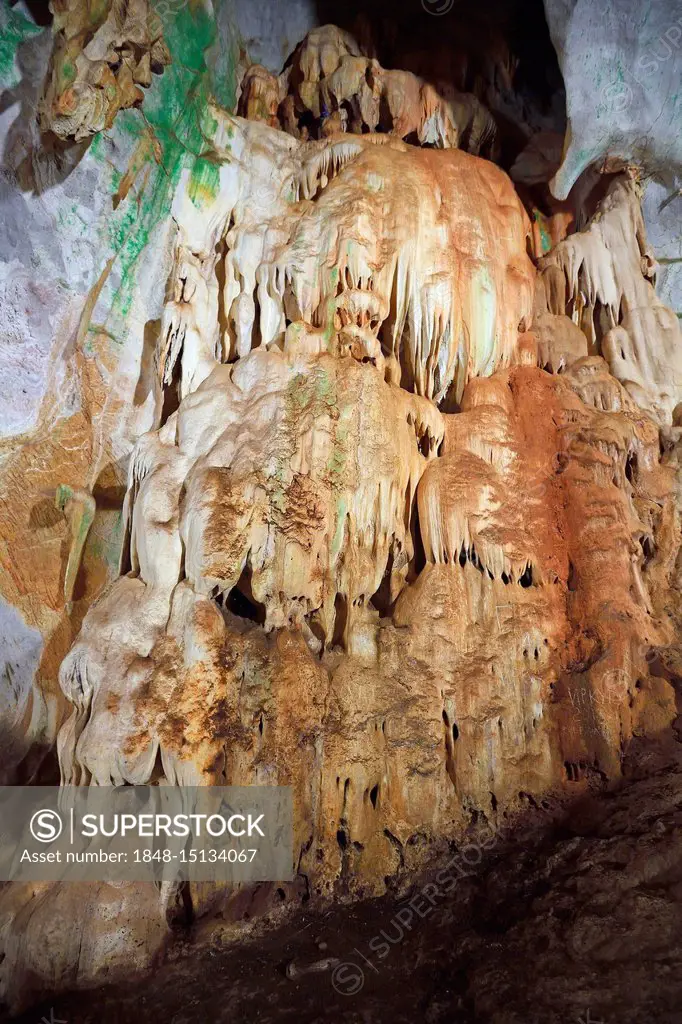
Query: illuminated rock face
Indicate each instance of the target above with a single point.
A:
(401, 536)
(329, 85)
(288, 479)
(104, 56)
(602, 277)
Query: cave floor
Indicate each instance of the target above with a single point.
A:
(576, 922)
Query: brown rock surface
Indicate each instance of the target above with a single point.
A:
(370, 549)
(103, 56)
(329, 85)
(572, 919)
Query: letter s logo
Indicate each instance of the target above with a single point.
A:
(46, 826)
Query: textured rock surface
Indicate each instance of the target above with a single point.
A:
(622, 62)
(622, 65)
(371, 508)
(85, 252)
(330, 85)
(579, 922)
(271, 31)
(662, 213)
(102, 58)
(602, 277)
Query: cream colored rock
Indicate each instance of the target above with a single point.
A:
(602, 277)
(390, 240)
(260, 96)
(298, 475)
(560, 341)
(355, 83)
(102, 54)
(372, 551)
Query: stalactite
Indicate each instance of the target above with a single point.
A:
(605, 285)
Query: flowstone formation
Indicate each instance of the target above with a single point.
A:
(404, 534)
(104, 55)
(603, 278)
(329, 85)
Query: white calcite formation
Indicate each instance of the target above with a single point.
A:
(416, 258)
(603, 278)
(291, 474)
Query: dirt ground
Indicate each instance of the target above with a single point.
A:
(562, 923)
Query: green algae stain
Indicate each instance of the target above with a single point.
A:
(15, 29)
(545, 239)
(176, 113)
(68, 71)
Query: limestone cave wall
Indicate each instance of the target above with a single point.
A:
(340, 413)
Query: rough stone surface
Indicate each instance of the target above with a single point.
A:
(84, 256)
(328, 469)
(103, 56)
(622, 65)
(271, 31)
(566, 922)
(662, 213)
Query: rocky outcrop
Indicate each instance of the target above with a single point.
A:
(400, 521)
(329, 85)
(603, 278)
(430, 283)
(84, 258)
(621, 64)
(103, 56)
(623, 107)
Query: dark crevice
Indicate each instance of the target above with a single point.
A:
(241, 602)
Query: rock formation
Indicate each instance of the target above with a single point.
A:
(329, 85)
(104, 55)
(602, 277)
(402, 514)
(625, 107)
